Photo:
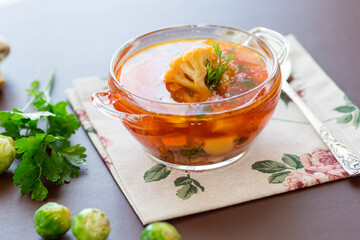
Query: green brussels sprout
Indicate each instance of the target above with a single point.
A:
(90, 224)
(52, 220)
(7, 152)
(160, 231)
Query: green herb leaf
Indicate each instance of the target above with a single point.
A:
(269, 166)
(240, 140)
(242, 68)
(26, 175)
(40, 102)
(74, 153)
(189, 152)
(248, 83)
(42, 156)
(68, 171)
(233, 84)
(35, 84)
(45, 152)
(29, 146)
(207, 109)
(156, 173)
(213, 75)
(39, 191)
(51, 168)
(62, 124)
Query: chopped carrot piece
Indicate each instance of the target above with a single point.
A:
(198, 140)
(155, 141)
(174, 141)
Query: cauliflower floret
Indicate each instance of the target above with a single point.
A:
(186, 77)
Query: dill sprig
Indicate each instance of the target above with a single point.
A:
(213, 75)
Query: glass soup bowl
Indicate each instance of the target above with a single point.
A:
(201, 135)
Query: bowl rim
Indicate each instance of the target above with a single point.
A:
(116, 81)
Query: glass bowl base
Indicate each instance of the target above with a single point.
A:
(198, 167)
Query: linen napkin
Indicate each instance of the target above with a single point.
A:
(287, 155)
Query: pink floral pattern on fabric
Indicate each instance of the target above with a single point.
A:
(297, 180)
(306, 170)
(106, 142)
(107, 163)
(285, 98)
(322, 161)
(82, 115)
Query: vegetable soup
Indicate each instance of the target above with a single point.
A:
(222, 92)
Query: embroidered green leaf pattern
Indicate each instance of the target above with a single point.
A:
(285, 98)
(182, 181)
(356, 121)
(278, 177)
(156, 173)
(188, 189)
(344, 119)
(198, 185)
(351, 112)
(189, 186)
(90, 130)
(269, 166)
(292, 160)
(345, 109)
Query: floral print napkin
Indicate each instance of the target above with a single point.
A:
(287, 155)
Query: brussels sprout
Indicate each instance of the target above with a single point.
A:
(160, 231)
(7, 152)
(90, 224)
(52, 220)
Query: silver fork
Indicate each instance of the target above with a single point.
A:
(349, 161)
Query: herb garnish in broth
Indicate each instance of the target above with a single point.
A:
(213, 75)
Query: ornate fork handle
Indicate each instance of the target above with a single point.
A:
(346, 158)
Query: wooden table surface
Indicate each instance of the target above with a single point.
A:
(81, 36)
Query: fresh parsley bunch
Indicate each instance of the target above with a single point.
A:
(41, 141)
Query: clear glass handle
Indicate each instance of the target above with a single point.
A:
(279, 44)
(104, 102)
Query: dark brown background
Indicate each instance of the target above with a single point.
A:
(81, 36)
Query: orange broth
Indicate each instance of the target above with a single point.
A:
(205, 135)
